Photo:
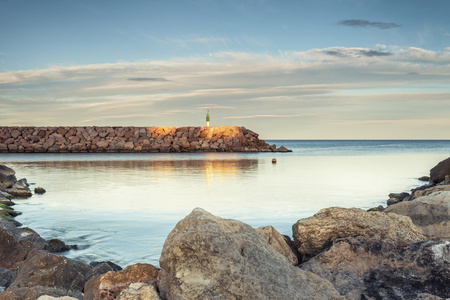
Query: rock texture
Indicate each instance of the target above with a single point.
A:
(16, 244)
(111, 284)
(371, 268)
(279, 242)
(139, 291)
(43, 273)
(132, 139)
(313, 235)
(207, 257)
(438, 173)
(430, 212)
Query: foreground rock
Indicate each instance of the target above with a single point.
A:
(430, 212)
(279, 242)
(438, 173)
(43, 273)
(313, 235)
(371, 268)
(16, 244)
(207, 257)
(111, 284)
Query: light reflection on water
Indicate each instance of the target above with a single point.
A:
(121, 207)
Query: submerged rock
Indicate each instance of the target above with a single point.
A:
(372, 268)
(207, 257)
(313, 235)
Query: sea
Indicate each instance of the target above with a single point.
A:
(120, 207)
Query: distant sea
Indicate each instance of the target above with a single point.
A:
(121, 207)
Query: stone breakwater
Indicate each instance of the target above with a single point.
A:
(132, 139)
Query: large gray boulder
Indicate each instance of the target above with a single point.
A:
(430, 212)
(278, 242)
(438, 173)
(207, 257)
(372, 268)
(313, 235)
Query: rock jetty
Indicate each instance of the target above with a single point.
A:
(402, 252)
(132, 139)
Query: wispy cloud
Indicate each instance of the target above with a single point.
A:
(367, 23)
(318, 88)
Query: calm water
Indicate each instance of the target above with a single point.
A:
(121, 207)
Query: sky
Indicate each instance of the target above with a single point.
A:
(304, 69)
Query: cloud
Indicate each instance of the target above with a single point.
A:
(314, 89)
(147, 79)
(366, 23)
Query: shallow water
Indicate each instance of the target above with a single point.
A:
(121, 207)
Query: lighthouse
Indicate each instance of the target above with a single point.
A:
(207, 119)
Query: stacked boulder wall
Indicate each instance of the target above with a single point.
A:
(438, 173)
(207, 257)
(313, 235)
(372, 268)
(430, 212)
(44, 273)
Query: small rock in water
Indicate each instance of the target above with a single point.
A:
(378, 208)
(274, 160)
(39, 190)
(424, 178)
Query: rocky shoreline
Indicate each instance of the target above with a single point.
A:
(398, 252)
(95, 139)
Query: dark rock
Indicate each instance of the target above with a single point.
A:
(39, 190)
(378, 208)
(7, 171)
(424, 178)
(16, 244)
(7, 181)
(399, 196)
(392, 201)
(56, 245)
(370, 268)
(113, 266)
(6, 276)
(437, 174)
(6, 202)
(52, 273)
(99, 269)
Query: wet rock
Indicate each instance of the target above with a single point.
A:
(56, 245)
(6, 276)
(7, 171)
(7, 181)
(378, 208)
(278, 242)
(437, 174)
(430, 212)
(313, 235)
(39, 190)
(19, 190)
(110, 284)
(399, 196)
(16, 244)
(371, 268)
(43, 273)
(139, 291)
(424, 178)
(392, 201)
(207, 257)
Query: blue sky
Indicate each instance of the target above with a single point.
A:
(370, 69)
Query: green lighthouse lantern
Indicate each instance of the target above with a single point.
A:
(207, 119)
